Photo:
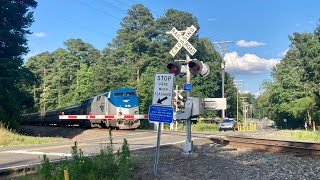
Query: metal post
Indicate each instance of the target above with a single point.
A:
(238, 83)
(237, 105)
(222, 76)
(188, 143)
(156, 160)
(66, 174)
(245, 112)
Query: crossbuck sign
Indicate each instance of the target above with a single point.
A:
(183, 40)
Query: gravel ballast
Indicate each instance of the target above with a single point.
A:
(215, 161)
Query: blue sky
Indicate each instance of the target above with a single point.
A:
(259, 29)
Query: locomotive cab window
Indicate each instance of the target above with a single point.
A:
(118, 94)
(130, 94)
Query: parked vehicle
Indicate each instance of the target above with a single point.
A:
(228, 124)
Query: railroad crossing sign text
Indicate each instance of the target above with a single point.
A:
(183, 40)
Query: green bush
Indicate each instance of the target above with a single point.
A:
(144, 124)
(201, 126)
(198, 126)
(106, 165)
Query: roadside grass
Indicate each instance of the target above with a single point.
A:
(9, 137)
(200, 126)
(107, 164)
(299, 135)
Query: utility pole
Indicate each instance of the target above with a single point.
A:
(44, 89)
(221, 44)
(245, 112)
(244, 104)
(238, 83)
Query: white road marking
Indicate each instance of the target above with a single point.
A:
(40, 153)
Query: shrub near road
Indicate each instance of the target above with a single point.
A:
(106, 165)
(200, 126)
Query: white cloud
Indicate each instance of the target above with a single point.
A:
(212, 19)
(257, 94)
(283, 53)
(39, 34)
(243, 43)
(311, 22)
(30, 54)
(245, 92)
(248, 63)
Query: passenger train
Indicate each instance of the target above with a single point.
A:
(118, 109)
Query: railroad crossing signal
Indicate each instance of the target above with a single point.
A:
(174, 67)
(182, 38)
(195, 67)
(198, 68)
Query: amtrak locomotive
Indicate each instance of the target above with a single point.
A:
(118, 108)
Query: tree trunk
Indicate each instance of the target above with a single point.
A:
(309, 116)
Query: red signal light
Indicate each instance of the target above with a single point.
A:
(174, 67)
(198, 68)
(194, 67)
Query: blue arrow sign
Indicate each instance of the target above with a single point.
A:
(162, 114)
(187, 87)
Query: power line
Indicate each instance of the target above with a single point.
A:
(82, 26)
(123, 3)
(79, 1)
(111, 6)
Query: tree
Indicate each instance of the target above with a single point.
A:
(16, 17)
(63, 73)
(294, 92)
(132, 42)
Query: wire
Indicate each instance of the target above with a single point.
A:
(113, 7)
(79, 1)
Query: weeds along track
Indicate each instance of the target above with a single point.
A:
(296, 147)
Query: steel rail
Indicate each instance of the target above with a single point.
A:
(297, 147)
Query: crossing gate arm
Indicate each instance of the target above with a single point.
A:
(141, 116)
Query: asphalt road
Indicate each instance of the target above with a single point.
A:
(17, 157)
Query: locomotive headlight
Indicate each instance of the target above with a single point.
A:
(135, 111)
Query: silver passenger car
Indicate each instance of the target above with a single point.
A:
(228, 124)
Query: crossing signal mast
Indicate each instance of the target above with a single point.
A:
(193, 105)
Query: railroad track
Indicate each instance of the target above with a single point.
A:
(296, 147)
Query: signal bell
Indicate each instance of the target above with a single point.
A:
(198, 68)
